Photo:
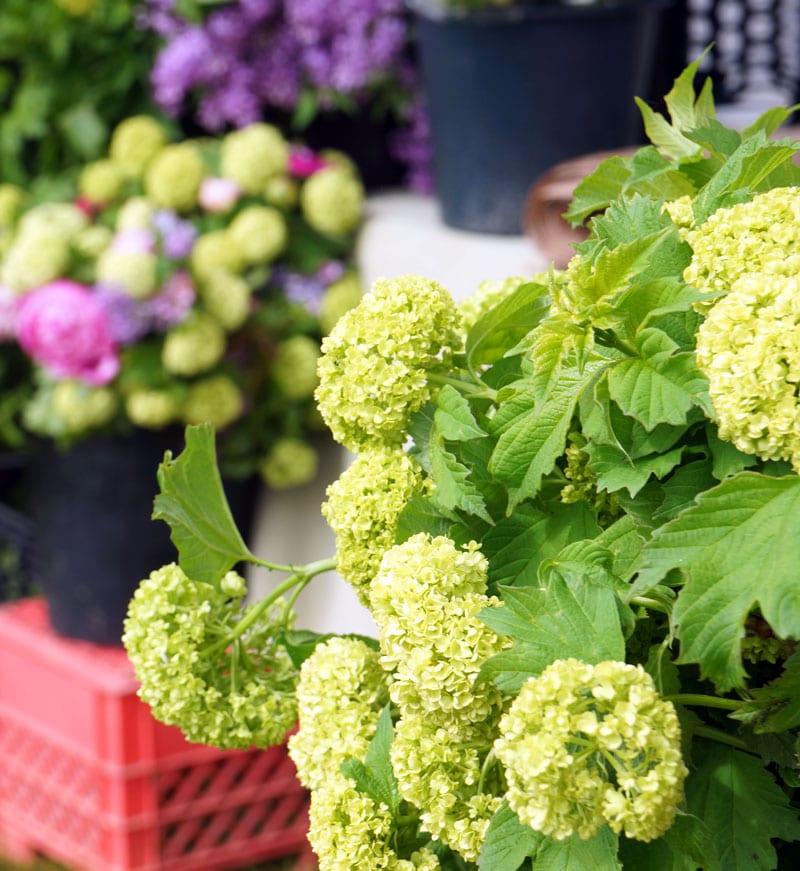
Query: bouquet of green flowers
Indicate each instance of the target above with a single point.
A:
(571, 515)
(187, 282)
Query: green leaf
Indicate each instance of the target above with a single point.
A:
(518, 544)
(658, 386)
(571, 854)
(375, 775)
(616, 471)
(192, 501)
(533, 439)
(85, 130)
(685, 109)
(686, 846)
(776, 706)
(564, 620)
(669, 140)
(551, 343)
(420, 514)
(742, 806)
(727, 458)
(454, 488)
(682, 488)
(646, 301)
(739, 546)
(506, 323)
(625, 540)
(453, 418)
(629, 217)
(655, 177)
(598, 189)
(508, 842)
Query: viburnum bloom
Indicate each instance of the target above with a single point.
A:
(362, 509)
(178, 635)
(375, 363)
(588, 745)
(64, 328)
(749, 349)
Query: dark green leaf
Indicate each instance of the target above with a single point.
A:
(742, 806)
(776, 706)
(737, 547)
(615, 471)
(571, 854)
(686, 846)
(508, 842)
(420, 514)
(192, 501)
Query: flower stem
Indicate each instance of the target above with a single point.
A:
(485, 768)
(647, 602)
(474, 388)
(704, 701)
(721, 737)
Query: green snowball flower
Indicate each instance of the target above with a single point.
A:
(131, 271)
(217, 400)
(227, 297)
(82, 408)
(294, 369)
(135, 213)
(375, 363)
(92, 241)
(194, 346)
(151, 409)
(253, 155)
(214, 251)
(135, 142)
(588, 745)
(332, 201)
(749, 349)
(362, 510)
(340, 694)
(58, 219)
(100, 181)
(338, 299)
(231, 694)
(290, 462)
(281, 191)
(173, 177)
(260, 233)
(34, 258)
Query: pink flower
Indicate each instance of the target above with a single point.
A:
(133, 241)
(303, 162)
(218, 194)
(64, 329)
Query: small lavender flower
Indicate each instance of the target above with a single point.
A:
(128, 318)
(177, 236)
(330, 271)
(172, 305)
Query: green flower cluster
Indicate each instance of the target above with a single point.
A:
(362, 509)
(196, 674)
(749, 349)
(376, 361)
(489, 293)
(761, 236)
(425, 600)
(588, 745)
(340, 694)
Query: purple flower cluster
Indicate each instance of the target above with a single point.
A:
(248, 56)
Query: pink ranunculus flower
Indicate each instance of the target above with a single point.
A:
(303, 162)
(218, 194)
(63, 328)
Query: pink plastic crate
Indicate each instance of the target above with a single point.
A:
(90, 779)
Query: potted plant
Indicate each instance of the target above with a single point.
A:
(572, 516)
(187, 281)
(514, 87)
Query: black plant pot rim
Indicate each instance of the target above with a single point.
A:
(515, 12)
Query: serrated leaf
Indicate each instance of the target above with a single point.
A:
(742, 806)
(375, 775)
(655, 177)
(625, 541)
(508, 842)
(727, 459)
(420, 514)
(628, 217)
(517, 545)
(558, 622)
(685, 109)
(598, 189)
(453, 417)
(192, 501)
(615, 471)
(658, 386)
(686, 846)
(776, 706)
(682, 488)
(669, 140)
(599, 852)
(648, 300)
(505, 323)
(737, 547)
(530, 442)
(454, 488)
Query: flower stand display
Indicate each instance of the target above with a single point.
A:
(90, 779)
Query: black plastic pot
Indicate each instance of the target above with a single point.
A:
(513, 90)
(94, 539)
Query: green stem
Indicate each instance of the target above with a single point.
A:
(485, 768)
(299, 579)
(722, 738)
(477, 389)
(704, 701)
